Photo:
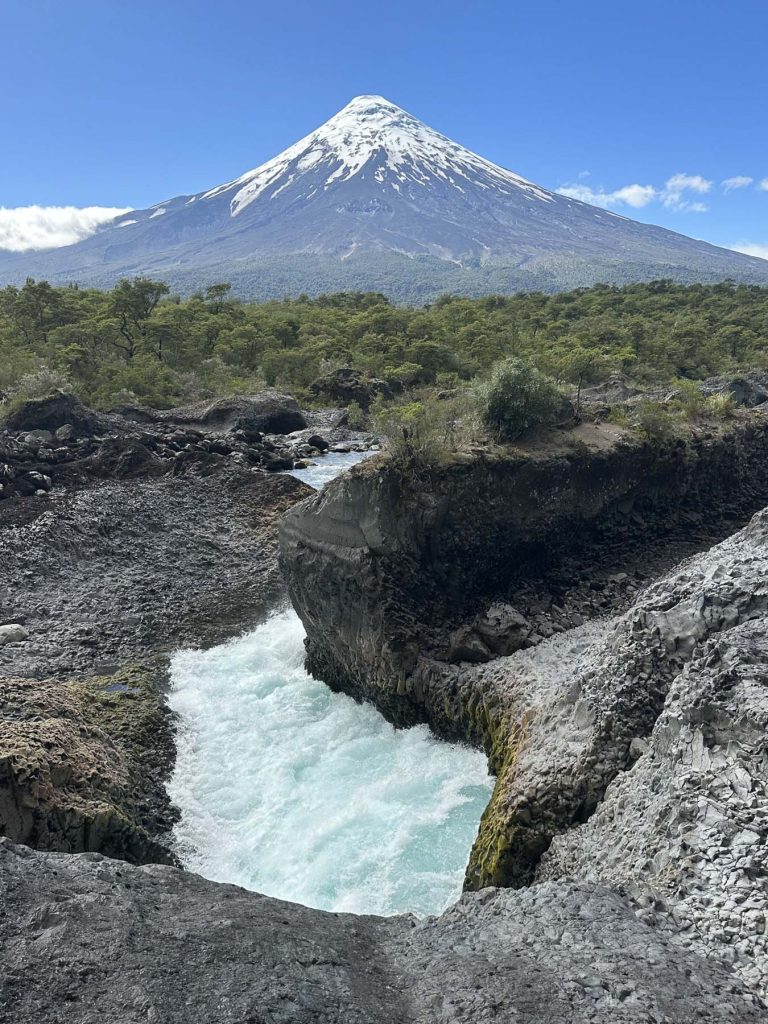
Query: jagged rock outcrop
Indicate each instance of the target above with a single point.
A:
(383, 563)
(82, 764)
(674, 684)
(268, 413)
(685, 829)
(88, 940)
(53, 412)
(347, 385)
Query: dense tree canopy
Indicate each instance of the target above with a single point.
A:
(138, 342)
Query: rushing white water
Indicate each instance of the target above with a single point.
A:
(297, 792)
(327, 467)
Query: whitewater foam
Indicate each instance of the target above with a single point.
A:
(301, 793)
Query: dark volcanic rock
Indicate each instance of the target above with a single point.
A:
(347, 385)
(87, 940)
(143, 564)
(674, 689)
(120, 458)
(382, 561)
(106, 580)
(267, 413)
(53, 412)
(747, 391)
(82, 764)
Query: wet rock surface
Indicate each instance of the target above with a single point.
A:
(87, 939)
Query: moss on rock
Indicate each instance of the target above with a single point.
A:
(82, 763)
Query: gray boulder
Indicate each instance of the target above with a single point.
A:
(746, 391)
(12, 633)
(267, 413)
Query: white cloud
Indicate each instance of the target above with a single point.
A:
(48, 227)
(629, 195)
(673, 193)
(752, 250)
(737, 181)
(763, 185)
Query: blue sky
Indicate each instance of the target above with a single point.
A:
(110, 103)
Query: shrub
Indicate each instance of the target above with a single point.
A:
(722, 407)
(619, 415)
(406, 375)
(690, 398)
(653, 420)
(356, 418)
(515, 398)
(422, 432)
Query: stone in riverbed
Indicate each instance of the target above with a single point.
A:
(464, 645)
(278, 463)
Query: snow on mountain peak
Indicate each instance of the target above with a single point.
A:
(375, 137)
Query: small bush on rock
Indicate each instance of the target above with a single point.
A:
(653, 420)
(515, 398)
(425, 430)
(39, 384)
(691, 399)
(356, 418)
(722, 407)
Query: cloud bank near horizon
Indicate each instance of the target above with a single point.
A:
(26, 228)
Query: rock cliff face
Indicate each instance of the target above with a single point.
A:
(658, 710)
(685, 830)
(381, 562)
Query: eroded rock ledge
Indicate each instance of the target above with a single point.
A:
(662, 707)
(87, 940)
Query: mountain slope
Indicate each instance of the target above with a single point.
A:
(372, 197)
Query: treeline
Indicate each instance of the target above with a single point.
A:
(140, 343)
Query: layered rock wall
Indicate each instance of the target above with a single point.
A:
(378, 563)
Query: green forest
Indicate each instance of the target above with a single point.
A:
(140, 343)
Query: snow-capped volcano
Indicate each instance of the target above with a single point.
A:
(376, 199)
(371, 134)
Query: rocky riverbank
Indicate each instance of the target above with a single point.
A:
(58, 442)
(524, 601)
(149, 530)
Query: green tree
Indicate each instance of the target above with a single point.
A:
(133, 303)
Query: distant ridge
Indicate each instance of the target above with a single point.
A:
(376, 199)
